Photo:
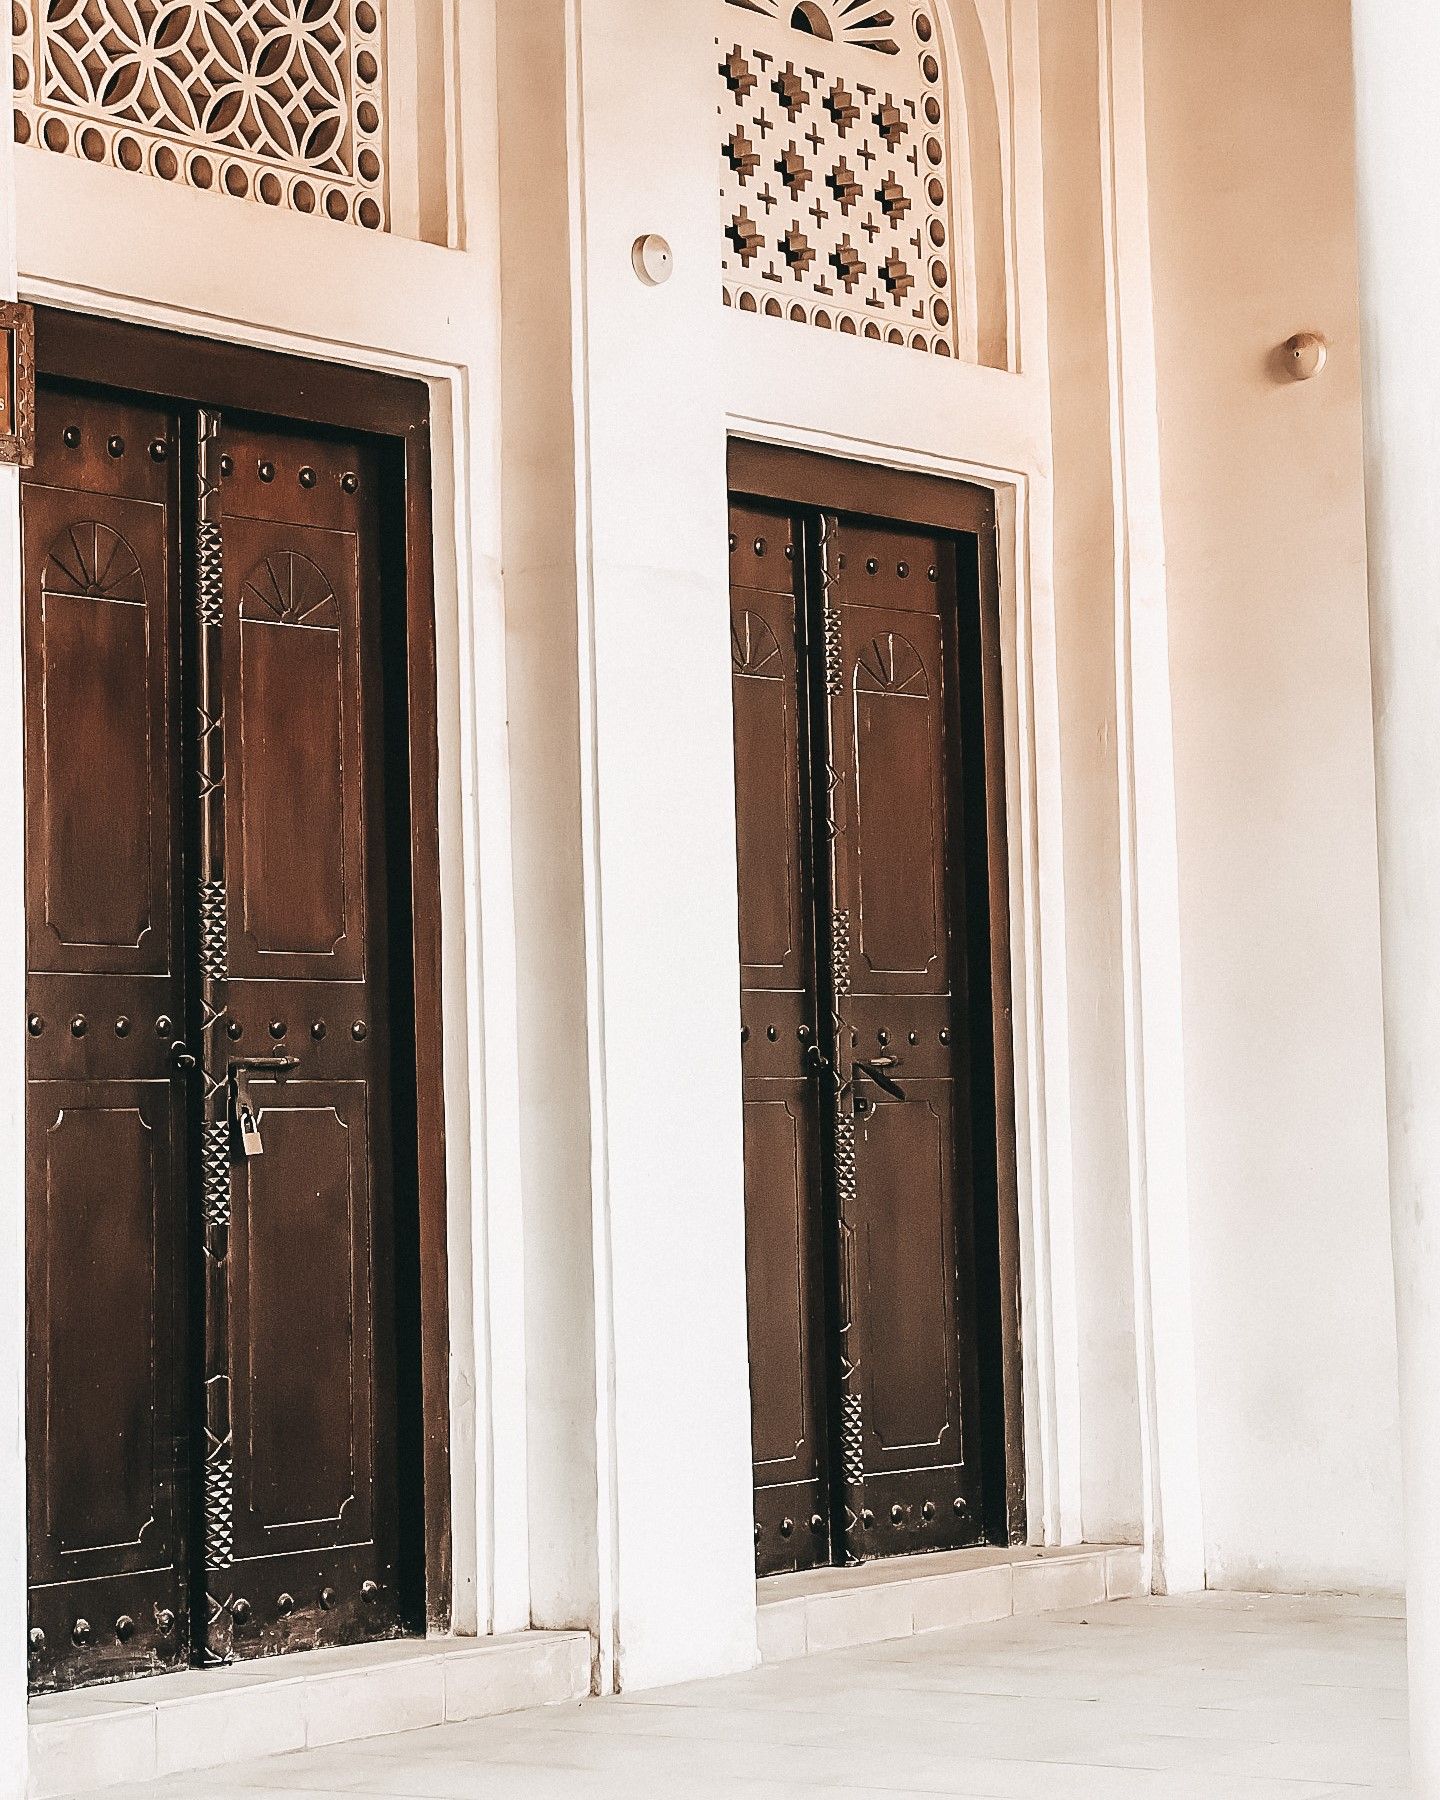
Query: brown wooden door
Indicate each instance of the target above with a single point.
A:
(214, 1261)
(300, 1481)
(106, 1117)
(897, 953)
(867, 1032)
(780, 1015)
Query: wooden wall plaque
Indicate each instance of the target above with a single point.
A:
(17, 384)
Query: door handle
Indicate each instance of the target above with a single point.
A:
(242, 1108)
(263, 1065)
(876, 1068)
(180, 1057)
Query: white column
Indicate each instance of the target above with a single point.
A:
(1397, 50)
(1172, 1501)
(658, 819)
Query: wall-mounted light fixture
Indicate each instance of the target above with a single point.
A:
(653, 259)
(1306, 355)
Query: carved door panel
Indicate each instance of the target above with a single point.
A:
(855, 948)
(780, 1020)
(301, 1491)
(908, 1302)
(106, 1150)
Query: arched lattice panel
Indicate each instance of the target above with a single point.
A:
(839, 202)
(276, 101)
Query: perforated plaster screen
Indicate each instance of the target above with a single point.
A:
(276, 101)
(836, 180)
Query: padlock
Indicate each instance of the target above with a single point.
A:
(251, 1143)
(242, 1111)
(242, 1108)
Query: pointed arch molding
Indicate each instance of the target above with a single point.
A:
(860, 171)
(276, 101)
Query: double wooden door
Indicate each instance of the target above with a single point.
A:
(869, 831)
(212, 1180)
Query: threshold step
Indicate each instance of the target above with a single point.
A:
(139, 1731)
(837, 1609)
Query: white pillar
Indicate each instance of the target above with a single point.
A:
(1397, 53)
(657, 756)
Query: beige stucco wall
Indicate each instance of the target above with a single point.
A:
(1253, 229)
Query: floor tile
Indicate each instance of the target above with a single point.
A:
(1214, 1698)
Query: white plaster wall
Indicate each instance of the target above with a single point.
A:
(1253, 231)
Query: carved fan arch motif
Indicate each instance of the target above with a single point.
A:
(836, 169)
(891, 664)
(292, 590)
(859, 22)
(755, 650)
(93, 561)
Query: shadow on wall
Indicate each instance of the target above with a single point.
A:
(975, 110)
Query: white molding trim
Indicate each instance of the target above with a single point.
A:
(1150, 898)
(606, 1442)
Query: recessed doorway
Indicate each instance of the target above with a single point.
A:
(236, 1375)
(881, 1217)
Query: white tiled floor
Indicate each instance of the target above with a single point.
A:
(1220, 1698)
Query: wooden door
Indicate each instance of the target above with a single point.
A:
(785, 1249)
(897, 954)
(301, 1492)
(106, 1117)
(867, 837)
(223, 1160)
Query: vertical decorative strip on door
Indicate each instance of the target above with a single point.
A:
(842, 1115)
(218, 1474)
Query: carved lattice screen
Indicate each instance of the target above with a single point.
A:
(838, 208)
(277, 101)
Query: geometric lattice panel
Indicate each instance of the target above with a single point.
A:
(835, 168)
(281, 102)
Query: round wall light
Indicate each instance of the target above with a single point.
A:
(653, 259)
(1306, 355)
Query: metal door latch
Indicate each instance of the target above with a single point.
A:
(243, 1116)
(876, 1070)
